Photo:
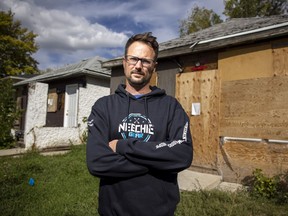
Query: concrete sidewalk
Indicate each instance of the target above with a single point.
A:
(12, 152)
(18, 151)
(187, 179)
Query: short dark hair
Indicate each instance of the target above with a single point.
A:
(146, 38)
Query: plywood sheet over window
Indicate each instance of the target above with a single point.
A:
(52, 100)
(201, 88)
(246, 63)
(256, 108)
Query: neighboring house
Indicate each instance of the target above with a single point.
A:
(232, 80)
(18, 124)
(56, 103)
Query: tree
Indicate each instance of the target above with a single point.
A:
(16, 47)
(200, 18)
(8, 112)
(254, 8)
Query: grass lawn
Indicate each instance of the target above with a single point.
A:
(63, 187)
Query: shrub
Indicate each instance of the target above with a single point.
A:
(282, 188)
(84, 136)
(8, 112)
(272, 188)
(263, 185)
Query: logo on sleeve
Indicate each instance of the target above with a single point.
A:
(136, 126)
(90, 123)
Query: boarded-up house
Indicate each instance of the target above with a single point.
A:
(56, 103)
(232, 80)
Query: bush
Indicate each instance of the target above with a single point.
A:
(84, 136)
(8, 113)
(272, 188)
(263, 185)
(282, 188)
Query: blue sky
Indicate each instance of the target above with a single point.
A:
(72, 30)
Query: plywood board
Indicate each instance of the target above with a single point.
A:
(256, 108)
(244, 157)
(201, 87)
(52, 101)
(280, 61)
(153, 81)
(247, 62)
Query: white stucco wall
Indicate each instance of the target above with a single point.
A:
(48, 137)
(44, 137)
(35, 112)
(95, 89)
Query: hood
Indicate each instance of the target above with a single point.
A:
(155, 92)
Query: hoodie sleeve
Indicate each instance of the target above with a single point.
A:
(101, 160)
(174, 154)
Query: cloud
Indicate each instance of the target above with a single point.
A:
(63, 34)
(71, 30)
(60, 30)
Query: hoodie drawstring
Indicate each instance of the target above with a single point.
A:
(128, 109)
(146, 107)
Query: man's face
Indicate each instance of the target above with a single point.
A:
(139, 64)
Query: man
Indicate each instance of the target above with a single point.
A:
(138, 140)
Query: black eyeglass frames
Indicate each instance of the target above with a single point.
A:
(144, 61)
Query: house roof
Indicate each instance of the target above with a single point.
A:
(232, 32)
(17, 78)
(91, 66)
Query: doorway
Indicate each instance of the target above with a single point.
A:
(71, 105)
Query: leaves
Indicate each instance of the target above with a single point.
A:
(17, 44)
(199, 18)
(275, 187)
(253, 8)
(8, 112)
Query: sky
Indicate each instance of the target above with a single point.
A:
(72, 30)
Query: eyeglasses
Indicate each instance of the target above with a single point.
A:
(132, 60)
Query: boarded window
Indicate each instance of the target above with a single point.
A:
(52, 100)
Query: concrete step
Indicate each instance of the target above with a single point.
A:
(194, 181)
(190, 180)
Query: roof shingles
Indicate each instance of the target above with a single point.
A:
(92, 66)
(182, 45)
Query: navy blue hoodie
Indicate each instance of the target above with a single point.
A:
(140, 179)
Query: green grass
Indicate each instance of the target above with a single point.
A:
(220, 203)
(63, 186)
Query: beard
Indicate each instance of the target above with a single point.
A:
(139, 82)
